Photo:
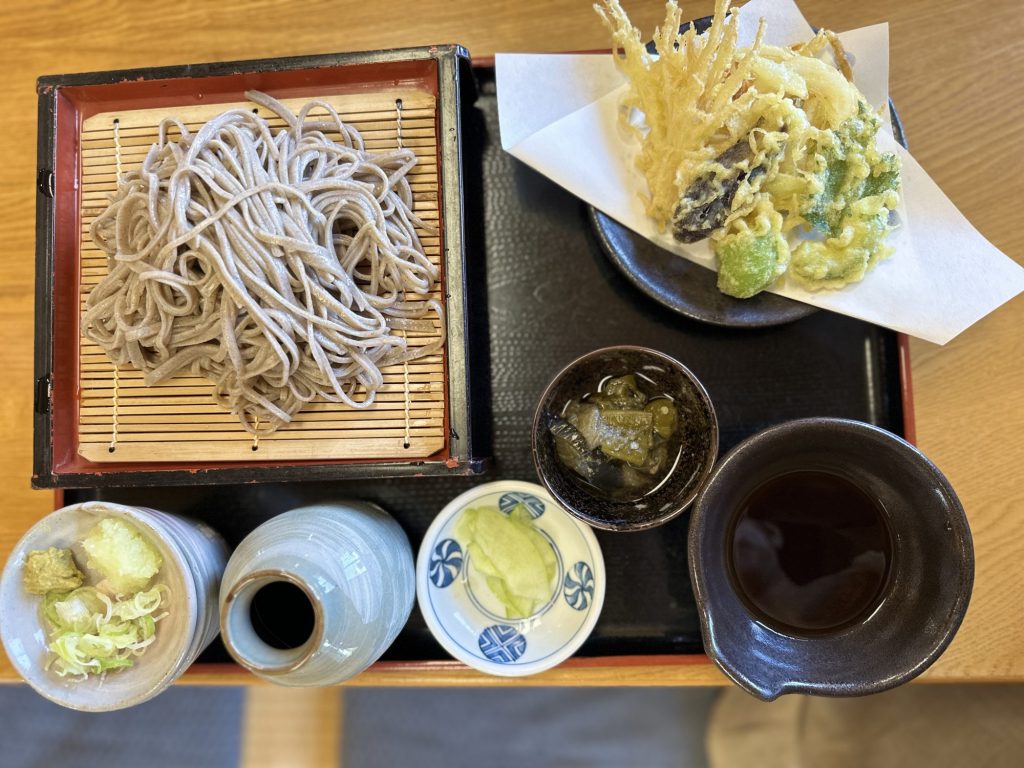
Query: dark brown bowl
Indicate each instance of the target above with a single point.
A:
(931, 571)
(697, 419)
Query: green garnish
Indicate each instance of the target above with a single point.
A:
(94, 629)
(90, 633)
(50, 569)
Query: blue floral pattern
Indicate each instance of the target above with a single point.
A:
(578, 586)
(502, 644)
(446, 563)
(509, 501)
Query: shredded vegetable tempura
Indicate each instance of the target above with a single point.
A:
(756, 147)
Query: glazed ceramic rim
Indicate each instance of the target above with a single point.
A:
(172, 554)
(958, 609)
(423, 583)
(300, 654)
(676, 510)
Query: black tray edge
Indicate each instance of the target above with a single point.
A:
(42, 456)
(47, 83)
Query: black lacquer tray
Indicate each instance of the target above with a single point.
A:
(552, 295)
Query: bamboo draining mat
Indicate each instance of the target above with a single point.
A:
(177, 421)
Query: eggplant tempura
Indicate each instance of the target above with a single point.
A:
(768, 151)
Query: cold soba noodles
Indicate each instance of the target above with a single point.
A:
(279, 266)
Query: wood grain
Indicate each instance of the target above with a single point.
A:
(955, 78)
(291, 727)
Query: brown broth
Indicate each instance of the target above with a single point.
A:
(810, 553)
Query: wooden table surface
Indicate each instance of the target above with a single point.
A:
(955, 77)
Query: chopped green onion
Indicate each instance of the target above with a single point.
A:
(91, 634)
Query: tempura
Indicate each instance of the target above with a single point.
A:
(768, 151)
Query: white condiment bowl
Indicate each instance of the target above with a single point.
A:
(468, 621)
(194, 557)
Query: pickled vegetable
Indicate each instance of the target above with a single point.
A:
(623, 392)
(618, 439)
(572, 449)
(620, 434)
(516, 561)
(664, 416)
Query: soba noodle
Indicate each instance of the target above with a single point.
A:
(279, 266)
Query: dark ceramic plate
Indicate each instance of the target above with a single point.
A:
(689, 288)
(919, 608)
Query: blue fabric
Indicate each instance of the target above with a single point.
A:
(535, 727)
(183, 726)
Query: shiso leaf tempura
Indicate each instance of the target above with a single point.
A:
(768, 151)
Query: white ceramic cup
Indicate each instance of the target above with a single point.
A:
(194, 557)
(354, 565)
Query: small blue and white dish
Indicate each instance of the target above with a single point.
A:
(469, 621)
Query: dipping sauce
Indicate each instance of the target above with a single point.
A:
(810, 552)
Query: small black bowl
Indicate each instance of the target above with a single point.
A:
(930, 573)
(696, 418)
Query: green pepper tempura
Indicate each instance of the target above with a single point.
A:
(619, 441)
